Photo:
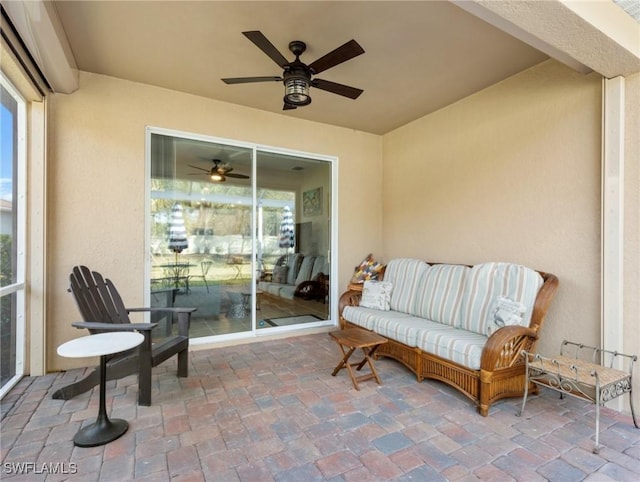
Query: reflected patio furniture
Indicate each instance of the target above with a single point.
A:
(264, 273)
(177, 274)
(316, 289)
(237, 262)
(246, 295)
(237, 307)
(103, 311)
(204, 269)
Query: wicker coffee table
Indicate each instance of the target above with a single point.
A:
(351, 339)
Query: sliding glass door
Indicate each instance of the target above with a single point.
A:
(240, 232)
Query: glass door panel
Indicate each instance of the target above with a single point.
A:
(201, 245)
(293, 241)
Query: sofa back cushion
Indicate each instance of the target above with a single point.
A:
(493, 288)
(293, 262)
(304, 273)
(320, 265)
(439, 294)
(404, 274)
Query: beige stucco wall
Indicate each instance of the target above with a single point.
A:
(511, 173)
(96, 169)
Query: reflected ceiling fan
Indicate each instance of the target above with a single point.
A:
(219, 172)
(298, 76)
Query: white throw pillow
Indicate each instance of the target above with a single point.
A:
(376, 295)
(506, 312)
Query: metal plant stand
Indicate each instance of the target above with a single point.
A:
(586, 373)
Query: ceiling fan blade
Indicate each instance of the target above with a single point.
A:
(336, 88)
(196, 167)
(343, 53)
(237, 176)
(246, 80)
(267, 47)
(288, 106)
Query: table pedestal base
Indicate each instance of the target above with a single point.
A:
(100, 432)
(103, 430)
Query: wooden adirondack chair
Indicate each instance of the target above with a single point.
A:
(102, 310)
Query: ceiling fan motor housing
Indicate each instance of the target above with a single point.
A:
(297, 47)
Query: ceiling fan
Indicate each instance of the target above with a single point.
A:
(298, 76)
(219, 172)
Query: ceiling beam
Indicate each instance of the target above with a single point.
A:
(586, 36)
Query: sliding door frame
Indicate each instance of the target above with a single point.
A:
(256, 149)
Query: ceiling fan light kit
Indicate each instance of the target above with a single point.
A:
(297, 76)
(296, 91)
(219, 172)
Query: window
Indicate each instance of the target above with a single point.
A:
(12, 229)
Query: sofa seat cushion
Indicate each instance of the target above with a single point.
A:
(405, 329)
(368, 318)
(268, 285)
(487, 285)
(439, 294)
(287, 292)
(404, 274)
(454, 344)
(274, 289)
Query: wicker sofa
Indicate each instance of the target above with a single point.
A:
(463, 325)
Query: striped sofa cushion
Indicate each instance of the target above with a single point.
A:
(486, 283)
(405, 330)
(454, 344)
(439, 293)
(304, 273)
(320, 266)
(369, 318)
(293, 262)
(405, 274)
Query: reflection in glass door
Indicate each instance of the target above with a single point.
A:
(247, 246)
(293, 239)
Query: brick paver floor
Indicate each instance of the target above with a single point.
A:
(271, 410)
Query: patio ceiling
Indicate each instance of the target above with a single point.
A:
(420, 56)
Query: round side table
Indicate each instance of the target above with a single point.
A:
(103, 430)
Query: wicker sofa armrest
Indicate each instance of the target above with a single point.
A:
(504, 346)
(348, 298)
